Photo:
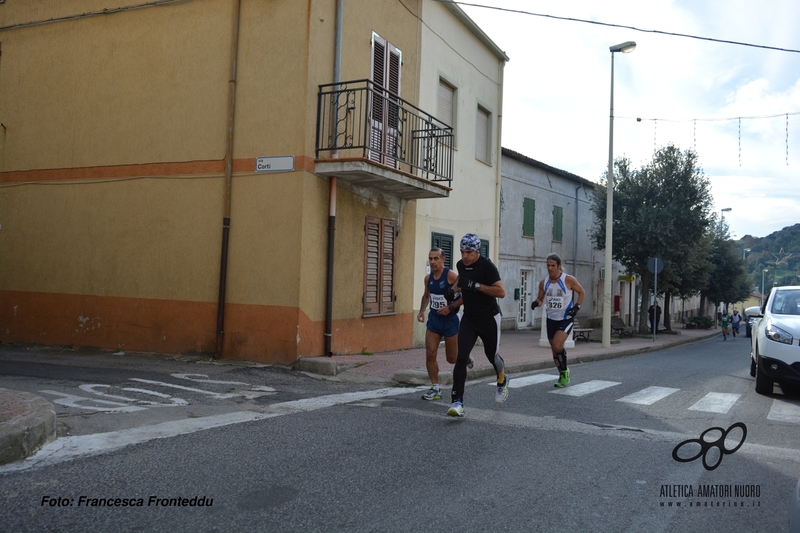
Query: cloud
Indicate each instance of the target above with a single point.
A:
(689, 92)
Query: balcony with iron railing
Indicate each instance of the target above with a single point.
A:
(373, 138)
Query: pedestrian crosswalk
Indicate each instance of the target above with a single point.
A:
(648, 396)
(711, 402)
(783, 411)
(588, 387)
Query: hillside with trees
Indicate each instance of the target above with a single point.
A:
(778, 252)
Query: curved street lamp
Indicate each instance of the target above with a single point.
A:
(625, 48)
(722, 214)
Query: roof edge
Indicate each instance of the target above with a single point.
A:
(474, 28)
(544, 166)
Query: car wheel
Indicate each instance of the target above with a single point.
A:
(763, 382)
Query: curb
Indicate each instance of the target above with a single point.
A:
(321, 366)
(420, 376)
(31, 425)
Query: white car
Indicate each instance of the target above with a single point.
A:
(775, 344)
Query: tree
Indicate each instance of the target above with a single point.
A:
(661, 210)
(728, 278)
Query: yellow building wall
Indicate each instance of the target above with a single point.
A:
(111, 180)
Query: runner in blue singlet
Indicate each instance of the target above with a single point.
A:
(442, 318)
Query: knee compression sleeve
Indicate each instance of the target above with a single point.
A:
(560, 359)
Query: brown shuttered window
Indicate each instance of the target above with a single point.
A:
(379, 296)
(384, 117)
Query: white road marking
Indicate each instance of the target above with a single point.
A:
(648, 396)
(70, 400)
(263, 388)
(585, 388)
(67, 448)
(715, 402)
(92, 388)
(181, 387)
(782, 411)
(193, 377)
(312, 404)
(172, 400)
(546, 423)
(524, 381)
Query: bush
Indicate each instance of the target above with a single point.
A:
(700, 322)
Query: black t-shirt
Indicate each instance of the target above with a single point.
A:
(477, 304)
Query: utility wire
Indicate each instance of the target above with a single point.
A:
(598, 23)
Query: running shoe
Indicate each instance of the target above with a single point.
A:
(432, 394)
(456, 409)
(471, 362)
(502, 391)
(563, 379)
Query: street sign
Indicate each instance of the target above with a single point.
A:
(281, 163)
(655, 265)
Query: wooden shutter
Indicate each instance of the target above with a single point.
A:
(485, 248)
(371, 261)
(528, 217)
(379, 296)
(378, 108)
(482, 135)
(387, 266)
(558, 220)
(384, 119)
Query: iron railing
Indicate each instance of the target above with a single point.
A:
(361, 119)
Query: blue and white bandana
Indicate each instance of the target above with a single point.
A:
(471, 242)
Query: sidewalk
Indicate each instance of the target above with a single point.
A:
(27, 421)
(520, 351)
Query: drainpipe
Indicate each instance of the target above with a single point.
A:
(337, 73)
(226, 220)
(575, 256)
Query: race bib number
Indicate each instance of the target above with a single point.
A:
(437, 302)
(554, 302)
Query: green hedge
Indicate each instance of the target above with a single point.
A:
(699, 322)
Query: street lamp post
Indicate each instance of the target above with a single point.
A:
(722, 215)
(625, 48)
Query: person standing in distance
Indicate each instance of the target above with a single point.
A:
(557, 293)
(480, 286)
(442, 318)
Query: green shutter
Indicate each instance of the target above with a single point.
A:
(445, 242)
(528, 216)
(558, 219)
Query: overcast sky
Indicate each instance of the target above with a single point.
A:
(688, 92)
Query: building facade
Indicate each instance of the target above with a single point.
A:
(468, 97)
(546, 210)
(224, 176)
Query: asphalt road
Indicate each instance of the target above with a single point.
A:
(596, 456)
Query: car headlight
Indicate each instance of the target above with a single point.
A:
(774, 333)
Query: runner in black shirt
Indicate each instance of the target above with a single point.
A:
(480, 286)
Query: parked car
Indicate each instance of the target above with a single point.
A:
(748, 324)
(775, 341)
